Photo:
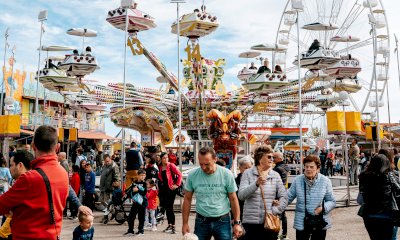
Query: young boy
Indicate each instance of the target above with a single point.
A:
(151, 196)
(115, 200)
(85, 230)
(90, 181)
(138, 208)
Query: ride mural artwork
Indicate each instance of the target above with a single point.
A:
(225, 132)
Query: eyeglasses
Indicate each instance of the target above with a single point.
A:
(270, 157)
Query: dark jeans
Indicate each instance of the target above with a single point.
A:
(284, 223)
(308, 235)
(379, 228)
(89, 200)
(257, 231)
(329, 171)
(323, 170)
(167, 199)
(139, 210)
(73, 209)
(220, 229)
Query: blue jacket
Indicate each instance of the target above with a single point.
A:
(321, 191)
(90, 181)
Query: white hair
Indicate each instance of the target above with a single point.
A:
(279, 154)
(246, 159)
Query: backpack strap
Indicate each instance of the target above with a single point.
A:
(49, 197)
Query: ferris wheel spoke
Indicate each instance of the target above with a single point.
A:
(294, 39)
(360, 44)
(350, 18)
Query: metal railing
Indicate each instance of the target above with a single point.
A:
(28, 121)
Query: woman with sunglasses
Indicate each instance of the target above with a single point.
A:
(260, 188)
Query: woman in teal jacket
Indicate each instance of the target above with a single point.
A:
(319, 196)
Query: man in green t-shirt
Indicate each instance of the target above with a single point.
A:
(215, 190)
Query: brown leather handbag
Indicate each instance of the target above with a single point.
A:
(271, 222)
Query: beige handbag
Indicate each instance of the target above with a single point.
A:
(271, 222)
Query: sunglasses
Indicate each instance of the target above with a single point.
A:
(270, 157)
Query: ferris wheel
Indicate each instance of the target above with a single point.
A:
(349, 32)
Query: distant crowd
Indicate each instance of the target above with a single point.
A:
(39, 185)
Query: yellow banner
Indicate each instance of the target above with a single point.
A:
(369, 131)
(336, 122)
(10, 125)
(353, 123)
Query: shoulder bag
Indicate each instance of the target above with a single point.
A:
(179, 191)
(313, 222)
(271, 222)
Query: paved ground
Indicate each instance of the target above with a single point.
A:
(346, 225)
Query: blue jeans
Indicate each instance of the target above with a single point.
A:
(219, 229)
(394, 236)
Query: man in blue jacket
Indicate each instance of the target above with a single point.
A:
(90, 181)
(134, 162)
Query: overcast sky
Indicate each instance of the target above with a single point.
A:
(242, 24)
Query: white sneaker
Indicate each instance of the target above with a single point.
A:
(154, 229)
(147, 227)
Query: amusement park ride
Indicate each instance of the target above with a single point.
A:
(330, 73)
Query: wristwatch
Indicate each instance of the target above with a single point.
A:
(237, 222)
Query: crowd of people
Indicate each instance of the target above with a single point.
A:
(245, 207)
(63, 184)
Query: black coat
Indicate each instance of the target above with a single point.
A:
(377, 194)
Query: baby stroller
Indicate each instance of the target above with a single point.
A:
(115, 208)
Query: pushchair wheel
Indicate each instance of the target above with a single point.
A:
(120, 217)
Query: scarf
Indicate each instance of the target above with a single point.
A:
(310, 182)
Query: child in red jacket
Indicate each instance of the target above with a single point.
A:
(75, 183)
(152, 195)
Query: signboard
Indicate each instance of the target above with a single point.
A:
(146, 140)
(227, 156)
(261, 106)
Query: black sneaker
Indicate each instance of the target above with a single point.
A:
(168, 229)
(129, 233)
(139, 233)
(173, 230)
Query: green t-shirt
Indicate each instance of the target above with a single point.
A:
(211, 191)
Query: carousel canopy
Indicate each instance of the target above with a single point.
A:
(269, 47)
(82, 32)
(320, 26)
(249, 54)
(345, 39)
(56, 48)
